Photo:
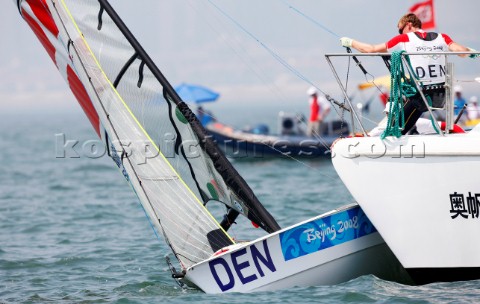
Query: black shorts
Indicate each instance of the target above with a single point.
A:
(436, 93)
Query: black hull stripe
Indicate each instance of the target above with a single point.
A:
(430, 275)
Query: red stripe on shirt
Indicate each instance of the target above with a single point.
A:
(447, 39)
(403, 38)
(396, 40)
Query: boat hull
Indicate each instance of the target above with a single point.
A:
(329, 249)
(239, 144)
(423, 196)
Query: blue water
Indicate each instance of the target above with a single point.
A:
(72, 231)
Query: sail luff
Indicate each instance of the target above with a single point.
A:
(257, 213)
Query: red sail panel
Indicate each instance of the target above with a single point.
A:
(37, 29)
(43, 15)
(41, 11)
(83, 99)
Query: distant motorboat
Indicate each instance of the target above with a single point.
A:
(291, 140)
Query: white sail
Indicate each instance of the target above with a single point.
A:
(166, 197)
(150, 133)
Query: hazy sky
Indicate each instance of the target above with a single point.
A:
(190, 40)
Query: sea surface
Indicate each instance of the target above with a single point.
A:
(72, 230)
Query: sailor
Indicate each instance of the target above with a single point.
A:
(200, 113)
(473, 109)
(459, 103)
(204, 116)
(319, 109)
(430, 69)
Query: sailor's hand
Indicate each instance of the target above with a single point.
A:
(387, 108)
(346, 42)
(473, 55)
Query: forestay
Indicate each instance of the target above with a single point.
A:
(160, 146)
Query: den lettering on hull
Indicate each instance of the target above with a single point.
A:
(238, 267)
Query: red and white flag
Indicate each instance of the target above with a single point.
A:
(425, 12)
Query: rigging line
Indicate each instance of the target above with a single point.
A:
(244, 55)
(261, 77)
(310, 19)
(285, 64)
(274, 55)
(269, 50)
(236, 45)
(230, 43)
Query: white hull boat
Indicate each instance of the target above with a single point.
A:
(422, 194)
(426, 202)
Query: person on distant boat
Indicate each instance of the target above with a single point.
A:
(473, 111)
(319, 109)
(200, 113)
(430, 70)
(204, 116)
(459, 103)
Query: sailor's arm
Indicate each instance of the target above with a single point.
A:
(455, 47)
(363, 47)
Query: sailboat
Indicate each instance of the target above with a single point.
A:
(178, 173)
(420, 191)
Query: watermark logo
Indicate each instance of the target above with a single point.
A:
(72, 148)
(142, 151)
(169, 147)
(374, 150)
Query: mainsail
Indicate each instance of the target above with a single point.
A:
(161, 148)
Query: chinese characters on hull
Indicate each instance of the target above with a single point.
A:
(465, 206)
